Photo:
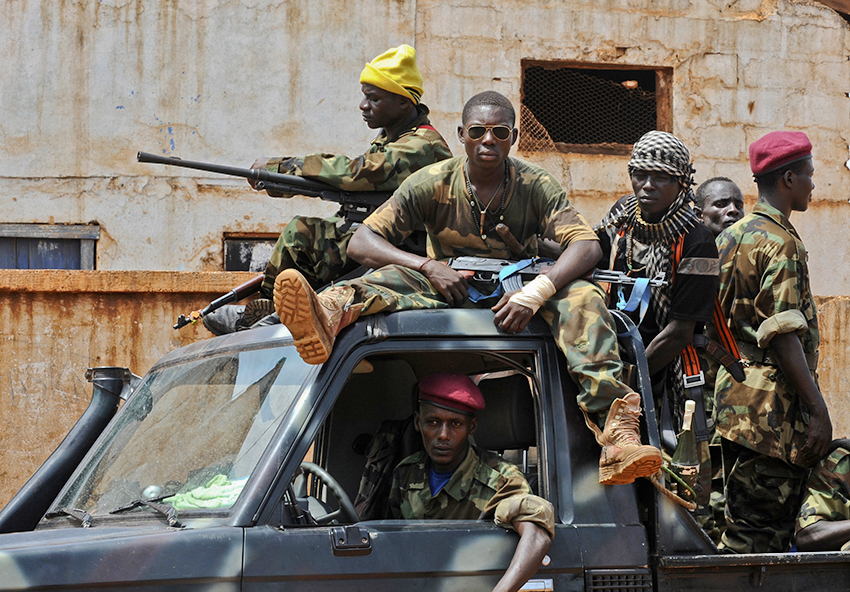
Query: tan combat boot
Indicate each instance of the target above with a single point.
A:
(623, 457)
(313, 319)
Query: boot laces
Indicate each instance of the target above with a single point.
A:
(627, 429)
(336, 301)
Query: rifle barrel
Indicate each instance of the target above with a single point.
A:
(315, 188)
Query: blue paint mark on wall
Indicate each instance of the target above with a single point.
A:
(120, 107)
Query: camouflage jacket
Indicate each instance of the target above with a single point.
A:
(437, 199)
(828, 491)
(482, 486)
(764, 292)
(382, 168)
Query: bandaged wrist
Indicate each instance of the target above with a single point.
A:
(534, 293)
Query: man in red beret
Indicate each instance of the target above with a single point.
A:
(453, 480)
(774, 425)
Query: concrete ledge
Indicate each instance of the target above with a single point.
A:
(76, 281)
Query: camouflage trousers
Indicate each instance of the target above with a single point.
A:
(316, 247)
(763, 496)
(580, 323)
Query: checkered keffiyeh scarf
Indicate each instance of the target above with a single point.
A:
(653, 244)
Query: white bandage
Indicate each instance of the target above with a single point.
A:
(534, 293)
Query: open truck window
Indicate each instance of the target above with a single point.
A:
(370, 428)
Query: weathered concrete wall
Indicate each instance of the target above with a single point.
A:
(87, 84)
(55, 324)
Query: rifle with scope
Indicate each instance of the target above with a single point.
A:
(354, 206)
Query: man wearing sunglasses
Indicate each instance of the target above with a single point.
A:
(392, 88)
(461, 203)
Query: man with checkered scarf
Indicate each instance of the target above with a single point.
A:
(655, 230)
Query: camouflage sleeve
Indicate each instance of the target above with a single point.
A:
(828, 493)
(559, 220)
(394, 500)
(778, 304)
(514, 502)
(405, 211)
(382, 168)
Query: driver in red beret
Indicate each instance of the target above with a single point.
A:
(775, 424)
(453, 480)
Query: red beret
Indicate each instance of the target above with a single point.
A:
(777, 149)
(455, 392)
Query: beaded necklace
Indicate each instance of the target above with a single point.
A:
(476, 204)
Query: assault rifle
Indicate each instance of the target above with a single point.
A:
(487, 270)
(235, 295)
(354, 206)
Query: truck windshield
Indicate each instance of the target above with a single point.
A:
(192, 433)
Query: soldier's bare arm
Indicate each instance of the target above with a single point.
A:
(576, 260)
(668, 344)
(372, 250)
(533, 544)
(789, 356)
(824, 535)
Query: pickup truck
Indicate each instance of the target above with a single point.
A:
(232, 465)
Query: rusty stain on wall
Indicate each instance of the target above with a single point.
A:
(55, 324)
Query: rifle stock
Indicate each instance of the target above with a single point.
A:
(241, 291)
(355, 206)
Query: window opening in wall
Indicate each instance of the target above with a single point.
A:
(584, 108)
(48, 246)
(248, 251)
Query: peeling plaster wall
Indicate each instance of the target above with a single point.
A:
(55, 324)
(88, 84)
(85, 85)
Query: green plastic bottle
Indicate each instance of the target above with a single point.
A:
(685, 462)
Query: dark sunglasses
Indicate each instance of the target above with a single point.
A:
(500, 132)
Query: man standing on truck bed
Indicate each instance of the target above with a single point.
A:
(655, 230)
(392, 89)
(775, 424)
(452, 480)
(459, 202)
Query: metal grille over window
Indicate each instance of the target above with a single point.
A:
(617, 580)
(587, 110)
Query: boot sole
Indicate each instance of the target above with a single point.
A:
(296, 305)
(644, 462)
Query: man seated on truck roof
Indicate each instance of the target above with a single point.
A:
(459, 202)
(392, 89)
(655, 230)
(452, 480)
(823, 523)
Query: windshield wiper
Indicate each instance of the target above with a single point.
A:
(83, 517)
(167, 511)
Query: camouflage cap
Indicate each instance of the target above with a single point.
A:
(452, 391)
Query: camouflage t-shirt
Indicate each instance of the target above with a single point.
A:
(764, 291)
(437, 199)
(482, 486)
(828, 491)
(382, 168)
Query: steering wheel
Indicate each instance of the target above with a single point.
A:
(346, 509)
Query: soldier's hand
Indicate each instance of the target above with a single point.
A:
(820, 436)
(447, 281)
(510, 316)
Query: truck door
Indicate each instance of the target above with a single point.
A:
(390, 554)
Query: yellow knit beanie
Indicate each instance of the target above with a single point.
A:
(395, 71)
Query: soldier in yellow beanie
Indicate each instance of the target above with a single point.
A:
(392, 91)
